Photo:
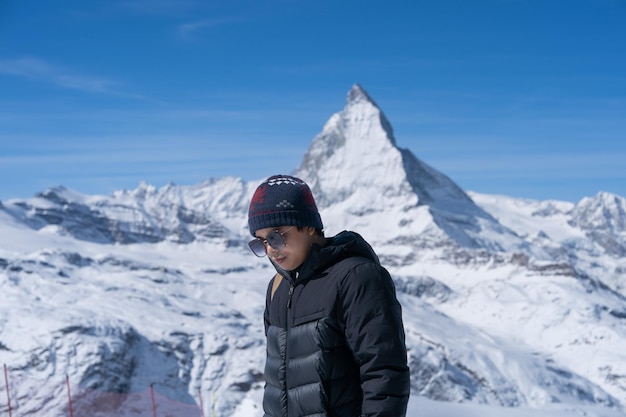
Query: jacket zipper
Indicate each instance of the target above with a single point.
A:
(289, 299)
(292, 284)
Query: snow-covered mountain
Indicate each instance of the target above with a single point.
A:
(509, 303)
(356, 169)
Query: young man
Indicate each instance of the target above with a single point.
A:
(335, 338)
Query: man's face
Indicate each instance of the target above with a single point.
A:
(296, 249)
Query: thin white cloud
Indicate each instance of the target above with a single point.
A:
(132, 149)
(601, 164)
(189, 30)
(39, 70)
(161, 7)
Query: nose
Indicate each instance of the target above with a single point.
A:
(268, 248)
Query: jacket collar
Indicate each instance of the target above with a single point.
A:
(344, 245)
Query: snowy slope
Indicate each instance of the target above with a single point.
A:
(581, 234)
(511, 306)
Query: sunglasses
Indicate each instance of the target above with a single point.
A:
(274, 239)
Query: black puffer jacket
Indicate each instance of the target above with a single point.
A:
(335, 338)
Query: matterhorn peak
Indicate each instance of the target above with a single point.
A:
(355, 165)
(354, 147)
(356, 152)
(361, 107)
(358, 94)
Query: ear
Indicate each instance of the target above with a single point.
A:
(310, 230)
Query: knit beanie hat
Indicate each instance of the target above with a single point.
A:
(283, 200)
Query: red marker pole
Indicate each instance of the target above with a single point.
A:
(153, 403)
(6, 380)
(69, 394)
(201, 406)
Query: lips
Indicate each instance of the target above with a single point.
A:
(279, 259)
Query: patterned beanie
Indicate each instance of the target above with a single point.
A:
(283, 200)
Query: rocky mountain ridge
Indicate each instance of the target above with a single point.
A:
(506, 301)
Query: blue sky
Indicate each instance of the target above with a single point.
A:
(516, 97)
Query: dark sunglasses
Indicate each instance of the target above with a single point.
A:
(274, 239)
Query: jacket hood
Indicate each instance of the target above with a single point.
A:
(344, 245)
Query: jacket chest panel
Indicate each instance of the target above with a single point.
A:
(312, 300)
